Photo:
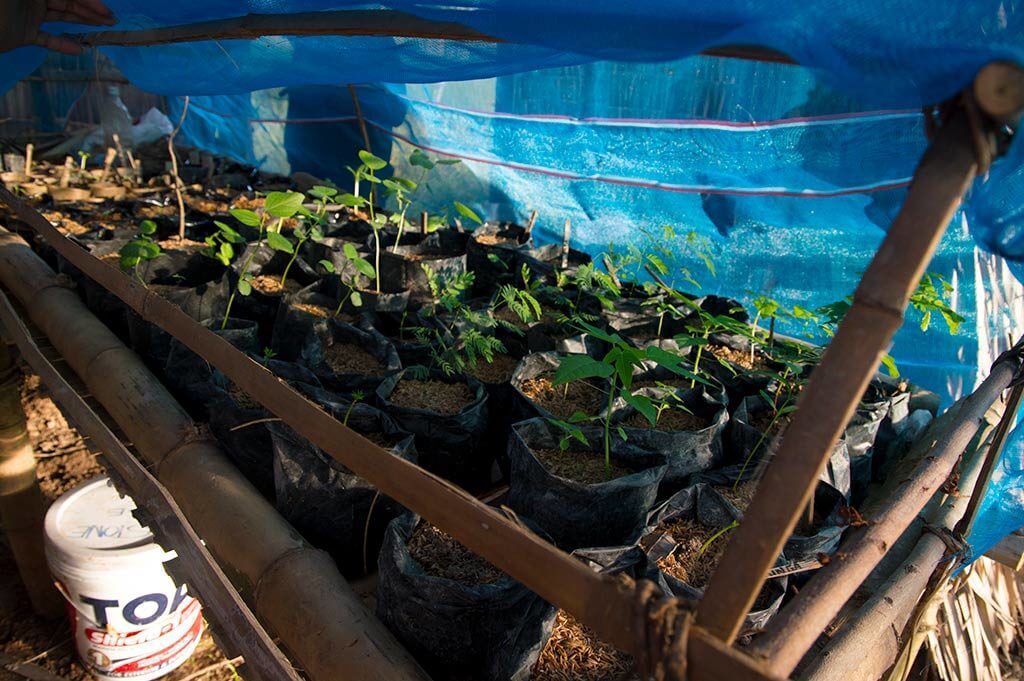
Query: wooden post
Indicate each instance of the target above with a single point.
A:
(424, 221)
(29, 152)
(836, 385)
(21, 502)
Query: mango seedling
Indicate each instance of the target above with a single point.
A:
(141, 248)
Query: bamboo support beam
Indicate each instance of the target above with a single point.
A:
(836, 385)
(867, 645)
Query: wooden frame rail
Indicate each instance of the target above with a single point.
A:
(235, 622)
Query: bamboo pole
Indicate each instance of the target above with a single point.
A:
(793, 631)
(836, 385)
(21, 502)
(261, 551)
(868, 644)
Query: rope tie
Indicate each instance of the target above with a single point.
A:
(956, 546)
(662, 628)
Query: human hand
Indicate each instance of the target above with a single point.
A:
(20, 21)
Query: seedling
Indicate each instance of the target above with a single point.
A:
(350, 281)
(459, 336)
(140, 249)
(367, 171)
(357, 397)
(399, 189)
(278, 205)
(268, 354)
(720, 533)
(617, 367)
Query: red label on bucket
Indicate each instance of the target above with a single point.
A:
(168, 657)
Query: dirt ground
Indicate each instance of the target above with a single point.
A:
(65, 461)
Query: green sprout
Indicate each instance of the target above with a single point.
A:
(141, 248)
(351, 281)
(367, 171)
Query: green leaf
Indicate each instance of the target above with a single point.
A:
(577, 367)
(283, 204)
(244, 287)
(229, 233)
(356, 299)
(328, 266)
(225, 253)
(466, 212)
(352, 201)
(322, 192)
(642, 404)
(364, 268)
(147, 228)
(246, 217)
(890, 365)
(418, 158)
(370, 161)
(448, 161)
(350, 251)
(278, 242)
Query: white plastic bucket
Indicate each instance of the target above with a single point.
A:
(129, 618)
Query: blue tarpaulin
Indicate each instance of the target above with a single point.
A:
(599, 112)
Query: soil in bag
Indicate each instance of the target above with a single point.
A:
(191, 377)
(240, 424)
(573, 493)
(571, 650)
(490, 253)
(736, 486)
(687, 538)
(346, 357)
(335, 509)
(448, 416)
(458, 615)
(688, 429)
(537, 394)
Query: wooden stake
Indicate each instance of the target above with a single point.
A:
(793, 631)
(65, 175)
(360, 119)
(108, 160)
(424, 221)
(29, 152)
(174, 170)
(531, 222)
(836, 385)
(120, 151)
